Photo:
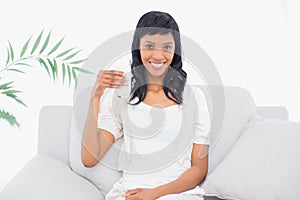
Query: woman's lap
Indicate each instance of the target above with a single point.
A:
(167, 197)
(116, 194)
(181, 197)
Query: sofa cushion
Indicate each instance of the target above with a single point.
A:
(103, 175)
(46, 177)
(263, 164)
(232, 108)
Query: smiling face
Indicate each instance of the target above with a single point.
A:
(157, 52)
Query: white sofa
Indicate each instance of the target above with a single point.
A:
(48, 175)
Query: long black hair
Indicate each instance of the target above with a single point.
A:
(156, 22)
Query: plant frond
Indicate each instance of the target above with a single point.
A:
(15, 70)
(25, 64)
(6, 86)
(10, 92)
(9, 118)
(11, 51)
(75, 77)
(52, 67)
(72, 55)
(56, 46)
(37, 42)
(46, 43)
(83, 70)
(44, 65)
(78, 61)
(69, 74)
(65, 52)
(8, 56)
(63, 68)
(25, 47)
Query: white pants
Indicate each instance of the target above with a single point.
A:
(116, 194)
(167, 197)
(181, 197)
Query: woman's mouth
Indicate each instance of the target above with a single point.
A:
(157, 65)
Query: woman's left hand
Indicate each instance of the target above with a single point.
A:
(140, 194)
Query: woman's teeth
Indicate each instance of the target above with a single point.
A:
(157, 65)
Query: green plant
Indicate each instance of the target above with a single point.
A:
(53, 60)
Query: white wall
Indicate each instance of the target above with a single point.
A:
(252, 43)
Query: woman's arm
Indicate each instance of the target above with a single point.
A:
(96, 142)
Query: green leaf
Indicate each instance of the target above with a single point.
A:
(78, 61)
(16, 70)
(65, 52)
(69, 75)
(23, 64)
(16, 99)
(6, 86)
(46, 43)
(52, 68)
(56, 46)
(43, 64)
(8, 57)
(37, 42)
(63, 72)
(21, 102)
(25, 47)
(83, 70)
(72, 55)
(75, 77)
(9, 118)
(55, 67)
(10, 92)
(11, 51)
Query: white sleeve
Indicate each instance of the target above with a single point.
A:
(108, 120)
(202, 121)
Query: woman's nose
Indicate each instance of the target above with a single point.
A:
(157, 54)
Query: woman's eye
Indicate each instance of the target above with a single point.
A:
(149, 46)
(168, 48)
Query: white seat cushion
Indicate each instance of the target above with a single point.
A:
(45, 177)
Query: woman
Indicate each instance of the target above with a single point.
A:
(154, 169)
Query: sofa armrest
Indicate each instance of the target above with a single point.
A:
(54, 129)
(273, 112)
(48, 178)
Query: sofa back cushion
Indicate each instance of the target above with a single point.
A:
(54, 126)
(262, 165)
(231, 109)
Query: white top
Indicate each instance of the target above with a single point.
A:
(152, 155)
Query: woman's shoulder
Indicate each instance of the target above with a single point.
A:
(196, 90)
(107, 95)
(110, 97)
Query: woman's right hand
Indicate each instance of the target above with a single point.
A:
(108, 79)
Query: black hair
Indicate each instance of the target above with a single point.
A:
(156, 22)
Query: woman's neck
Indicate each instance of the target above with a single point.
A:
(154, 87)
(155, 84)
